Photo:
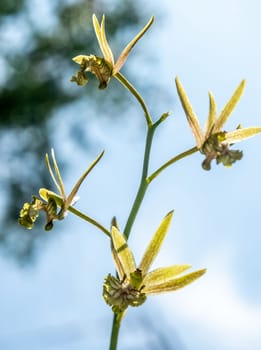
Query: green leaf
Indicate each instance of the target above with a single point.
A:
(190, 114)
(229, 107)
(173, 284)
(242, 134)
(155, 244)
(123, 257)
(164, 274)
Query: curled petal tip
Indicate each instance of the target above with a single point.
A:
(170, 213)
(78, 59)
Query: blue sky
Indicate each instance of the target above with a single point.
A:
(58, 304)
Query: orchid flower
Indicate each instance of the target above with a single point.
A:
(133, 283)
(104, 67)
(52, 200)
(214, 142)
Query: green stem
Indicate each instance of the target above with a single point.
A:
(132, 89)
(143, 183)
(170, 162)
(89, 219)
(141, 190)
(133, 213)
(46, 194)
(60, 202)
(115, 330)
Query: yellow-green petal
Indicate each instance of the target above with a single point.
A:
(164, 274)
(123, 257)
(190, 114)
(80, 58)
(123, 56)
(58, 182)
(47, 194)
(29, 213)
(155, 244)
(44, 193)
(212, 115)
(229, 107)
(76, 187)
(241, 134)
(173, 284)
(101, 37)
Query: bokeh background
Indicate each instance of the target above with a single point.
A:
(51, 282)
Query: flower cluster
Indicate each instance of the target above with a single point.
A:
(52, 201)
(214, 142)
(104, 67)
(133, 283)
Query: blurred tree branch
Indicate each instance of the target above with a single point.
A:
(33, 87)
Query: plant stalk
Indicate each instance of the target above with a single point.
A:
(170, 162)
(143, 183)
(133, 213)
(89, 219)
(115, 330)
(135, 93)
